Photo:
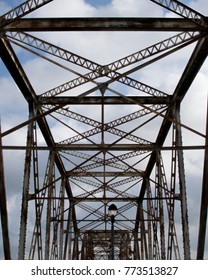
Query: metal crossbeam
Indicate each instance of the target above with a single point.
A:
(108, 162)
(112, 24)
(182, 10)
(91, 77)
(150, 51)
(110, 127)
(52, 49)
(22, 10)
(106, 174)
(109, 69)
(108, 100)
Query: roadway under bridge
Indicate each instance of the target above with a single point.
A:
(103, 135)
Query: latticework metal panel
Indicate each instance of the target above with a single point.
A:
(103, 136)
(96, 245)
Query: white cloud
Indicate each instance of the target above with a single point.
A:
(199, 6)
(66, 8)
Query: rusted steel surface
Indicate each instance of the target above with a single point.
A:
(3, 207)
(103, 24)
(103, 137)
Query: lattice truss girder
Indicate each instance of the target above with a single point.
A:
(108, 148)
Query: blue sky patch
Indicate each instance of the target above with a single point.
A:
(97, 3)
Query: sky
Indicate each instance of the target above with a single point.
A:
(13, 108)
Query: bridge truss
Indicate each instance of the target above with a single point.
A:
(103, 137)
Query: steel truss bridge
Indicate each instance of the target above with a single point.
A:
(104, 136)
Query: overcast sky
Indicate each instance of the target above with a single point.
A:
(13, 107)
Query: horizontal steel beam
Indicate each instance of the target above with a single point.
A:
(105, 147)
(109, 100)
(77, 200)
(103, 24)
(156, 219)
(105, 174)
(115, 147)
(108, 199)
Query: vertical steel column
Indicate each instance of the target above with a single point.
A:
(84, 248)
(38, 201)
(25, 191)
(3, 207)
(143, 235)
(149, 226)
(140, 232)
(68, 237)
(57, 220)
(136, 246)
(171, 200)
(161, 209)
(154, 213)
(204, 202)
(182, 185)
(49, 206)
(76, 247)
(61, 239)
(141, 242)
